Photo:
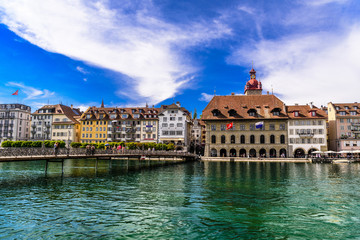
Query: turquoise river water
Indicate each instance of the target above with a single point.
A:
(187, 201)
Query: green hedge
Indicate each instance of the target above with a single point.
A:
(129, 145)
(47, 143)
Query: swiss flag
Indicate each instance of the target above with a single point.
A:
(229, 126)
(16, 93)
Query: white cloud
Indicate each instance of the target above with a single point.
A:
(323, 2)
(82, 70)
(316, 68)
(136, 44)
(31, 92)
(206, 97)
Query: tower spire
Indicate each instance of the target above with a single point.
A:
(102, 103)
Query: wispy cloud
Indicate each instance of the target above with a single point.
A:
(134, 43)
(31, 92)
(318, 67)
(206, 97)
(82, 70)
(322, 2)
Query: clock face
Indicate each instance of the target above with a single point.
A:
(252, 76)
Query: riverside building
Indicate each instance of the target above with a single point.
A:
(306, 130)
(14, 122)
(65, 125)
(344, 126)
(112, 124)
(249, 125)
(174, 122)
(53, 122)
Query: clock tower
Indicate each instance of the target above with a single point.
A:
(253, 86)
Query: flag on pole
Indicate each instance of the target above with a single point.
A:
(229, 126)
(16, 93)
(259, 125)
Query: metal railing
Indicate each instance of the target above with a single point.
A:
(13, 151)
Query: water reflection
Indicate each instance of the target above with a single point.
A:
(206, 200)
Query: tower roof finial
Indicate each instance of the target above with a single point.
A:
(102, 103)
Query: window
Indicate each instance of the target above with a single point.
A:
(232, 139)
(179, 124)
(242, 139)
(282, 126)
(342, 113)
(252, 139)
(296, 113)
(271, 126)
(242, 127)
(172, 118)
(213, 127)
(252, 127)
(313, 113)
(223, 127)
(276, 113)
(213, 139)
(179, 118)
(272, 139)
(136, 115)
(262, 139)
(282, 139)
(165, 133)
(163, 125)
(252, 112)
(172, 125)
(341, 120)
(222, 139)
(179, 132)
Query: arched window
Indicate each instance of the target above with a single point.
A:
(262, 139)
(232, 139)
(242, 152)
(242, 139)
(222, 139)
(213, 139)
(232, 152)
(282, 139)
(222, 153)
(252, 139)
(272, 139)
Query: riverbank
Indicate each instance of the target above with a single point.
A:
(239, 159)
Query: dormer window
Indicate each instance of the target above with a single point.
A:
(232, 113)
(342, 113)
(355, 107)
(112, 116)
(252, 112)
(124, 115)
(215, 112)
(313, 113)
(346, 107)
(337, 108)
(296, 113)
(133, 110)
(136, 115)
(276, 111)
(88, 116)
(353, 113)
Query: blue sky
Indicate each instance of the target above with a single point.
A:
(130, 53)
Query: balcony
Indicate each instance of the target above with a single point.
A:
(130, 130)
(33, 125)
(306, 135)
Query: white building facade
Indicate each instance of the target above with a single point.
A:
(306, 130)
(174, 126)
(14, 122)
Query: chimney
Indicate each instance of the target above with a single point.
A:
(232, 94)
(71, 106)
(178, 104)
(311, 105)
(267, 92)
(296, 104)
